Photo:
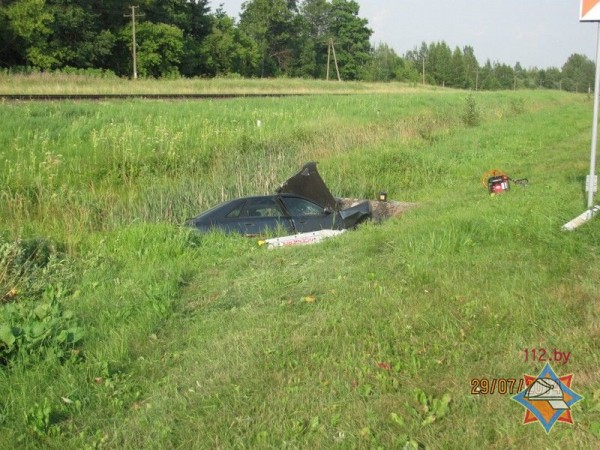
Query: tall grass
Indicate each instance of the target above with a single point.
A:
(104, 165)
(48, 83)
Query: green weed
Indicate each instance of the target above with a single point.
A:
(32, 332)
(471, 115)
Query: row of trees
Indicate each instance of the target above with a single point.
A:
(437, 64)
(271, 38)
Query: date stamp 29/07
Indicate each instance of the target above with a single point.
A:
(547, 397)
(491, 386)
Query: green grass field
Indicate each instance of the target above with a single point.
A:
(121, 329)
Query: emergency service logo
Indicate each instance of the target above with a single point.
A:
(547, 398)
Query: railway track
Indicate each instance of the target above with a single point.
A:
(100, 97)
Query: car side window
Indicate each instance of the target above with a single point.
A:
(262, 207)
(301, 207)
(235, 213)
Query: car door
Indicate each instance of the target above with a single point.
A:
(308, 216)
(260, 215)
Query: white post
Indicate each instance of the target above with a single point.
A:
(590, 12)
(591, 183)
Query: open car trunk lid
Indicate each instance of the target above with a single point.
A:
(308, 183)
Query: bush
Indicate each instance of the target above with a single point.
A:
(471, 116)
(88, 72)
(67, 70)
(517, 106)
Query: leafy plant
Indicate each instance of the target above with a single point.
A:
(39, 417)
(37, 331)
(431, 408)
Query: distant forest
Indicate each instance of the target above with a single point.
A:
(271, 38)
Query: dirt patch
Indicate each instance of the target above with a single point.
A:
(381, 210)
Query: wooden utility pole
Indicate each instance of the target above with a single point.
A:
(423, 71)
(328, 58)
(329, 50)
(132, 15)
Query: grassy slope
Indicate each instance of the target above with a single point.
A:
(211, 341)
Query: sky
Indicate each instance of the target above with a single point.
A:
(535, 33)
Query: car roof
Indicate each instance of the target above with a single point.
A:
(231, 204)
(283, 194)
